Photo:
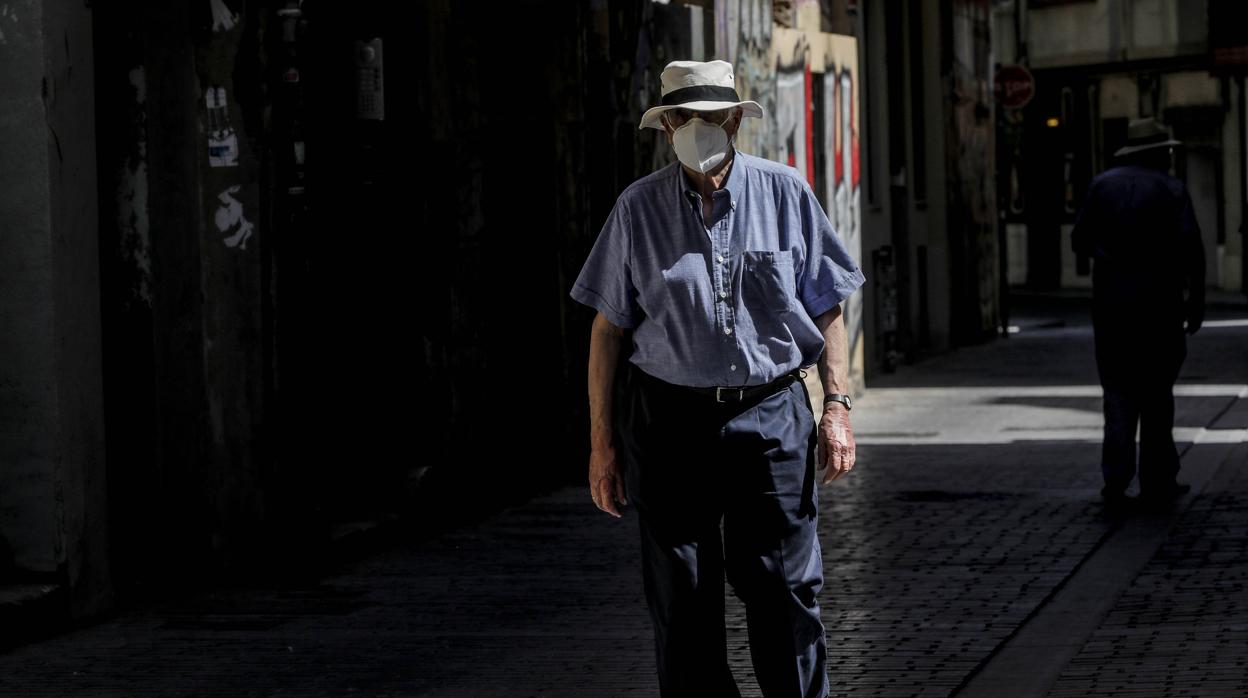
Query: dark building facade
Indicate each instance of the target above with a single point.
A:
(1097, 64)
(280, 271)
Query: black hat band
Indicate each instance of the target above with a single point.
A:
(701, 93)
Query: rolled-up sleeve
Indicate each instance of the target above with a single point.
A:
(827, 274)
(605, 282)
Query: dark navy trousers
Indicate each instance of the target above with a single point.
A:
(1138, 360)
(691, 463)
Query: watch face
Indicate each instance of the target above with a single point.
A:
(843, 399)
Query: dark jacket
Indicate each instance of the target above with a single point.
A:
(1139, 228)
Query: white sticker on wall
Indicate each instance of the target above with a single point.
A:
(222, 19)
(222, 141)
(229, 219)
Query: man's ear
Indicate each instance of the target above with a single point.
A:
(738, 115)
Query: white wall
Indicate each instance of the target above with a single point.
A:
(1074, 34)
(1115, 30)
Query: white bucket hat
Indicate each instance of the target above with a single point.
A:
(1146, 133)
(697, 85)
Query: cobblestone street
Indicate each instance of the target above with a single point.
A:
(971, 525)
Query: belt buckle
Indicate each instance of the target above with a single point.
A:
(719, 394)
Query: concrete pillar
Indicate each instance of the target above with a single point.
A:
(51, 407)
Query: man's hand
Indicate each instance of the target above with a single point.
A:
(1195, 316)
(836, 441)
(606, 480)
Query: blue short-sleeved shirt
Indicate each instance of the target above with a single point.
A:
(725, 303)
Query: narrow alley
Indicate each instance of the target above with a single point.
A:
(971, 535)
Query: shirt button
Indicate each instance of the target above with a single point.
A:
(719, 258)
(727, 330)
(732, 367)
(723, 294)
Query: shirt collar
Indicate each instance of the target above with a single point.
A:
(734, 185)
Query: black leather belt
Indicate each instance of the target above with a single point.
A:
(747, 393)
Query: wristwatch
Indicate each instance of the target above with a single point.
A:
(837, 397)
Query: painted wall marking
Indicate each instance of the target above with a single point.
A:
(229, 216)
(223, 19)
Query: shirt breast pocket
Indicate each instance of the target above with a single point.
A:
(768, 281)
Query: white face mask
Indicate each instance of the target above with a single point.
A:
(701, 145)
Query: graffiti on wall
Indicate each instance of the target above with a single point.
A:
(971, 133)
(230, 220)
(229, 186)
(793, 111)
(743, 37)
(133, 222)
(843, 176)
(223, 19)
(830, 163)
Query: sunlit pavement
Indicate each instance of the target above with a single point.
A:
(976, 514)
(967, 553)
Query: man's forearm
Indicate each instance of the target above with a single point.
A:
(604, 355)
(834, 362)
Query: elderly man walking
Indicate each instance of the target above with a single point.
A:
(726, 277)
(1148, 285)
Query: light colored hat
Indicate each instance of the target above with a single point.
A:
(1146, 133)
(697, 85)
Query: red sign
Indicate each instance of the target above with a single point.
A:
(1014, 86)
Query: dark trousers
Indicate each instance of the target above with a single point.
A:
(691, 463)
(1138, 362)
